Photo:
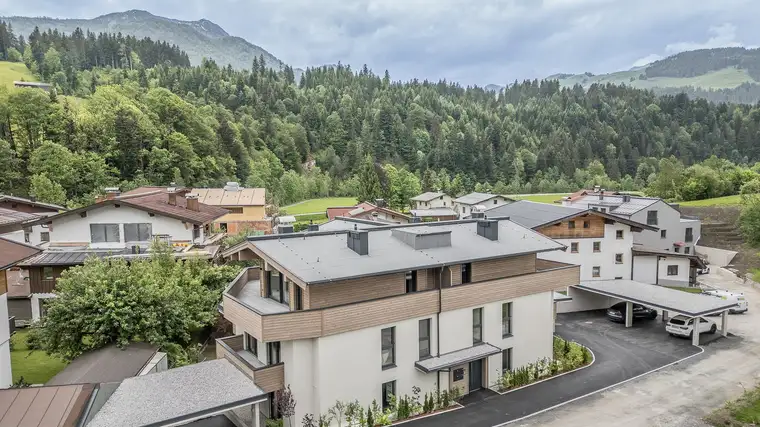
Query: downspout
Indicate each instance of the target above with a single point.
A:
(633, 259)
(438, 326)
(657, 272)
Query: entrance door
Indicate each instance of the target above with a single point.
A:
(476, 375)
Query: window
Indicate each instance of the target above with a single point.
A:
(506, 319)
(47, 273)
(389, 390)
(252, 344)
(574, 247)
(686, 250)
(286, 292)
(495, 201)
(596, 271)
(619, 234)
(672, 270)
(464, 209)
(597, 246)
(689, 235)
(603, 210)
(137, 232)
(274, 283)
(586, 224)
(273, 353)
(104, 233)
(571, 225)
(663, 234)
(506, 360)
(651, 217)
(618, 258)
(595, 209)
(298, 294)
(424, 338)
(234, 210)
(411, 281)
(477, 325)
(388, 343)
(45, 236)
(27, 235)
(677, 250)
(196, 232)
(466, 273)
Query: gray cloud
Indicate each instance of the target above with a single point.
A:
(471, 41)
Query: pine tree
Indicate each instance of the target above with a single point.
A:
(369, 181)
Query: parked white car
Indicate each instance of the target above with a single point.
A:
(736, 297)
(683, 326)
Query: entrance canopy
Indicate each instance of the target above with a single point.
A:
(664, 298)
(457, 357)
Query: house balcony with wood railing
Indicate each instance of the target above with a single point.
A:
(269, 378)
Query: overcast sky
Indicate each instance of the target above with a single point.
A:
(471, 41)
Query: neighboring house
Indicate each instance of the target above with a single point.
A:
(370, 212)
(47, 87)
(13, 224)
(36, 235)
(114, 226)
(10, 254)
(464, 205)
(111, 363)
(433, 200)
(675, 232)
(344, 315)
(434, 214)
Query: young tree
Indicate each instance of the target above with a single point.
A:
(286, 404)
(369, 181)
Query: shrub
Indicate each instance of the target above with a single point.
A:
(370, 418)
(34, 338)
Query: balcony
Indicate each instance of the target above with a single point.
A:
(267, 377)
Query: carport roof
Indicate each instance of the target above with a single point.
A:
(661, 297)
(457, 357)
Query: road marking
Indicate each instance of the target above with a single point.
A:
(600, 390)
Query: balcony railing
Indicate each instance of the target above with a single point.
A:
(267, 377)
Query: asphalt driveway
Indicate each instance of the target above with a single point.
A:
(620, 354)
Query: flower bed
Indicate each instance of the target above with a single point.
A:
(567, 356)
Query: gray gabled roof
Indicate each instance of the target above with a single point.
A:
(106, 364)
(426, 197)
(475, 198)
(325, 257)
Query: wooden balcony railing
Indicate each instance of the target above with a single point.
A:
(268, 378)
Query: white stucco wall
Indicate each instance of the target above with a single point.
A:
(6, 376)
(584, 301)
(444, 201)
(645, 270)
(74, 228)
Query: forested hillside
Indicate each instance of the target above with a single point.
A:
(206, 125)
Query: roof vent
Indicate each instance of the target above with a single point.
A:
(416, 220)
(597, 188)
(477, 215)
(358, 241)
(380, 203)
(601, 196)
(626, 198)
(192, 202)
(420, 238)
(313, 227)
(489, 229)
(284, 229)
(232, 186)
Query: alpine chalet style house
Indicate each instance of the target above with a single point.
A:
(365, 314)
(434, 206)
(117, 225)
(377, 212)
(27, 210)
(465, 205)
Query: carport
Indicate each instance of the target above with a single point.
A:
(660, 297)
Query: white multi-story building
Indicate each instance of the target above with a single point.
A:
(344, 315)
(469, 203)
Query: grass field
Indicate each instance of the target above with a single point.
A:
(718, 201)
(541, 198)
(35, 366)
(12, 71)
(687, 289)
(318, 205)
(744, 411)
(726, 78)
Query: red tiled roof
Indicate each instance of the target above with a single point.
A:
(13, 252)
(339, 211)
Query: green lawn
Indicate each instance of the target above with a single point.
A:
(541, 198)
(744, 411)
(36, 366)
(687, 289)
(318, 205)
(14, 71)
(718, 201)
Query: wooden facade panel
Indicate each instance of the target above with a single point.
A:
(270, 378)
(240, 364)
(545, 264)
(294, 325)
(242, 317)
(356, 290)
(3, 282)
(39, 284)
(373, 313)
(470, 295)
(503, 267)
(456, 274)
(563, 231)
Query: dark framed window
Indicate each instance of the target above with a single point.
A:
(137, 232)
(506, 360)
(677, 250)
(597, 246)
(424, 329)
(466, 273)
(686, 250)
(495, 201)
(663, 234)
(47, 273)
(278, 288)
(298, 294)
(651, 217)
(388, 345)
(689, 235)
(574, 247)
(44, 236)
(596, 271)
(389, 390)
(26, 236)
(477, 325)
(619, 234)
(286, 292)
(464, 209)
(411, 281)
(104, 233)
(672, 270)
(252, 344)
(273, 353)
(618, 258)
(603, 210)
(571, 225)
(234, 210)
(506, 319)
(586, 224)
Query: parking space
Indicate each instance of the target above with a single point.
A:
(620, 354)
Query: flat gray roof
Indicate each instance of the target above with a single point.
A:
(432, 212)
(178, 395)
(532, 214)
(661, 297)
(343, 224)
(457, 357)
(322, 258)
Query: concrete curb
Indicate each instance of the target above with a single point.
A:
(751, 283)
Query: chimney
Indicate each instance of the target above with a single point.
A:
(172, 196)
(489, 229)
(477, 215)
(380, 203)
(284, 229)
(597, 188)
(358, 241)
(312, 226)
(192, 202)
(232, 186)
(626, 198)
(112, 193)
(601, 196)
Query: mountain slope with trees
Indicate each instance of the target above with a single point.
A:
(200, 39)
